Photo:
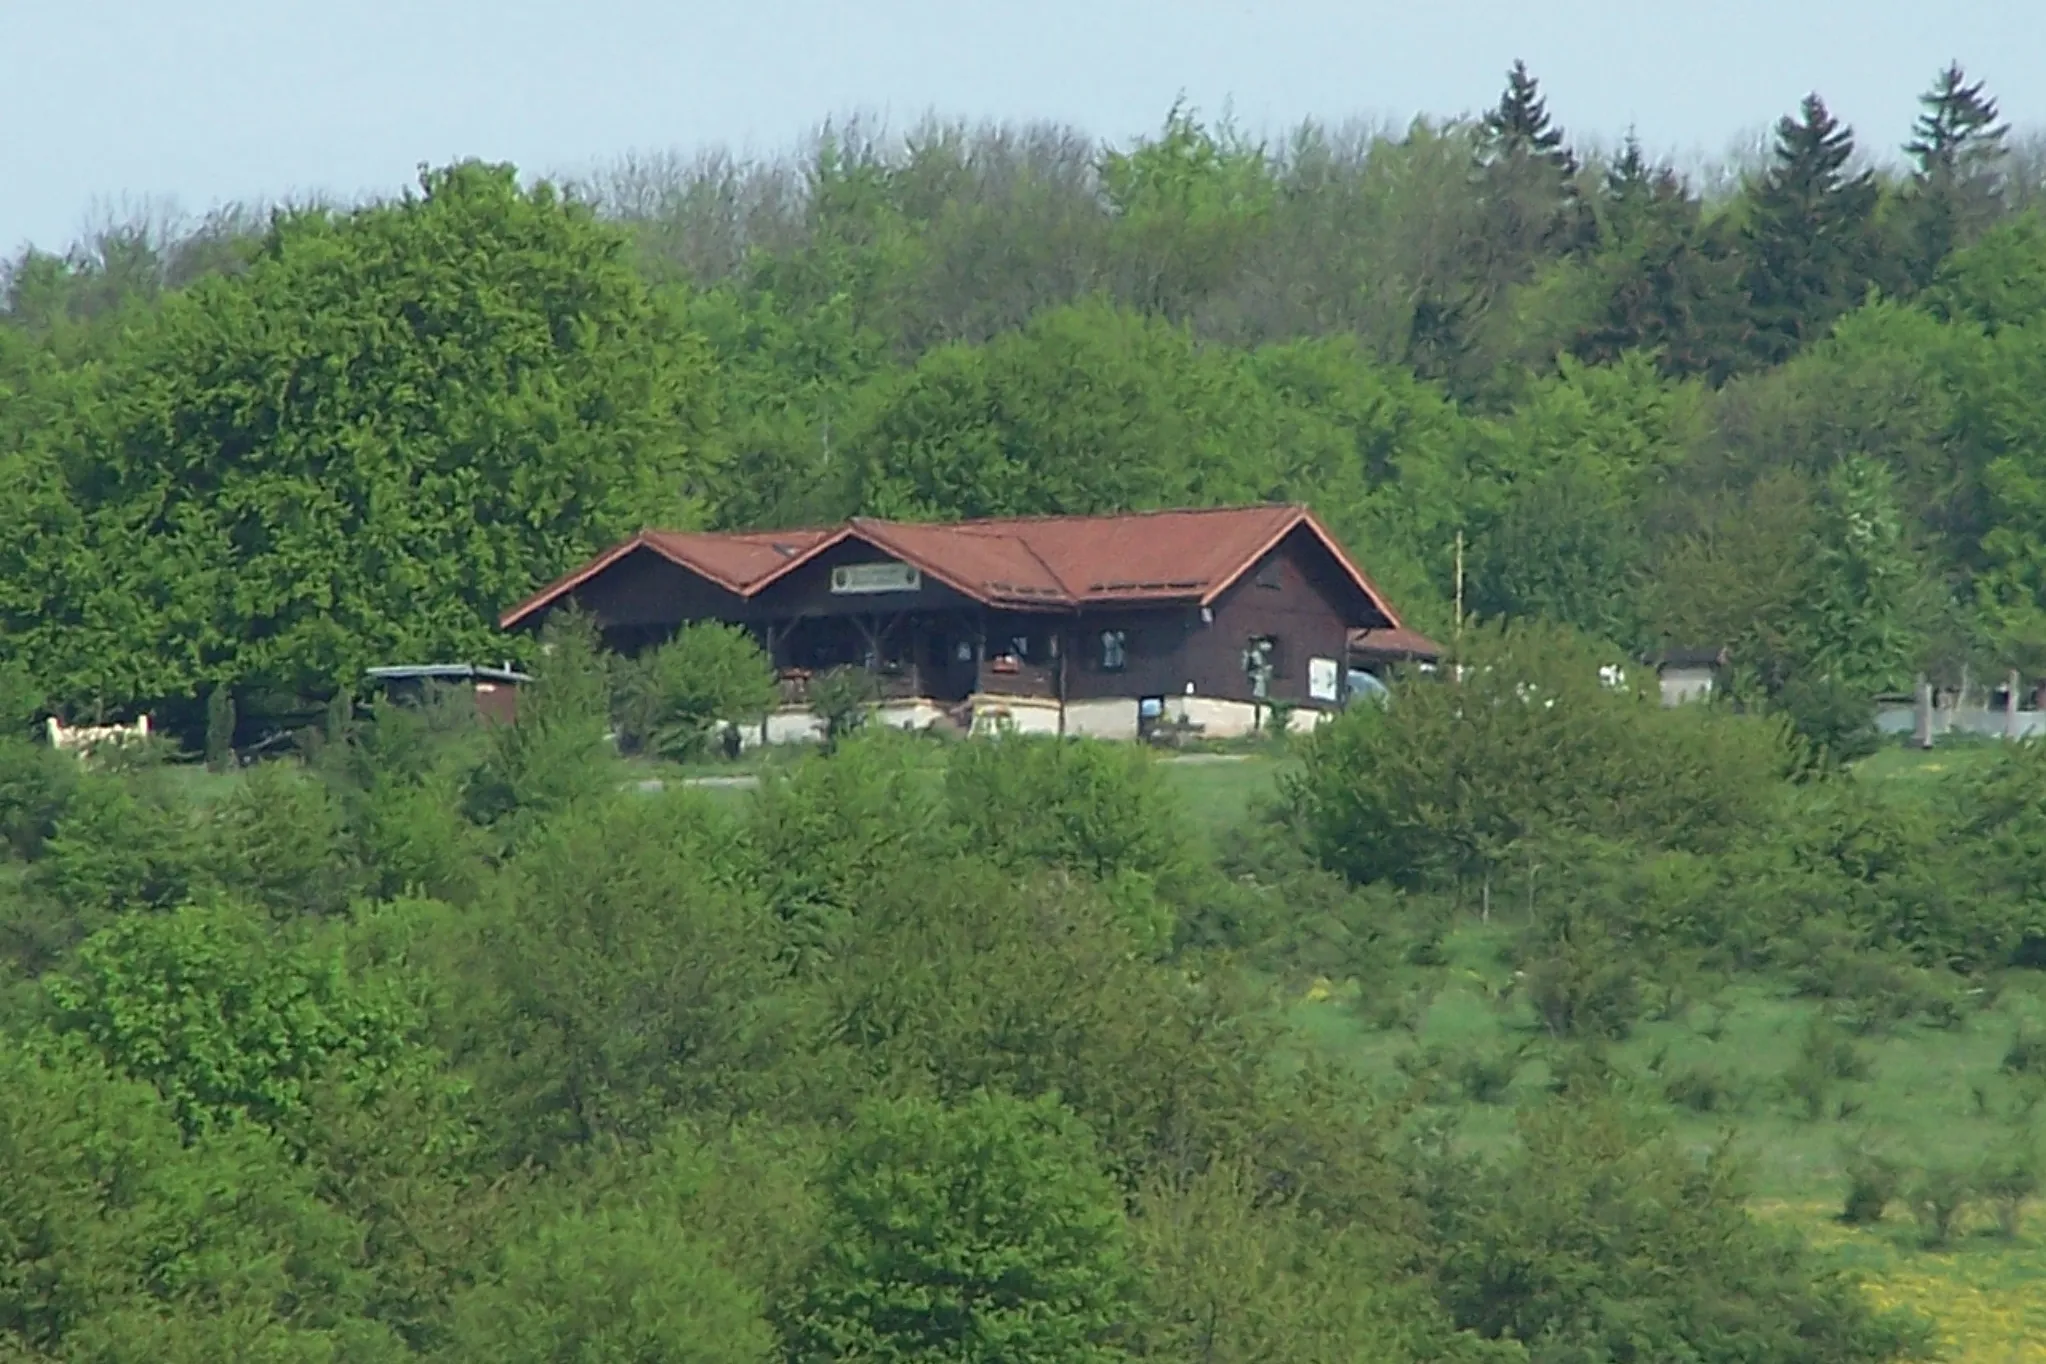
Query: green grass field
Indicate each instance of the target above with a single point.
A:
(1218, 789)
(1721, 1067)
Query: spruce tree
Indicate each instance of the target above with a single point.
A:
(1519, 124)
(1666, 275)
(220, 726)
(1809, 245)
(1638, 195)
(1526, 213)
(1959, 148)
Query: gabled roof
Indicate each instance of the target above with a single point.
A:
(1697, 656)
(1396, 642)
(736, 561)
(1049, 562)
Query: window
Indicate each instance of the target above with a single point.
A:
(1261, 663)
(1114, 650)
(1268, 574)
(1020, 646)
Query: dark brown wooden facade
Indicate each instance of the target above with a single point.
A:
(1291, 602)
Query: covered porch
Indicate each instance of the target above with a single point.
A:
(941, 656)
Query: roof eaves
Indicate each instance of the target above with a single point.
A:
(796, 561)
(1302, 516)
(875, 534)
(1226, 580)
(569, 582)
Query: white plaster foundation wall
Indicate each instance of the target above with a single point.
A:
(790, 725)
(796, 725)
(916, 714)
(1018, 714)
(1214, 718)
(1100, 719)
(1113, 719)
(1305, 721)
(1220, 719)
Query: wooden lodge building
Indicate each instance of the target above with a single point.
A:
(1105, 626)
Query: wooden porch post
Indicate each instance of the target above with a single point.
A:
(979, 649)
(774, 666)
(2010, 707)
(1059, 643)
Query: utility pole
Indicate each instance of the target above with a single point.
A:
(1459, 596)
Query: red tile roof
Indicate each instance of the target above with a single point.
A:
(1064, 561)
(735, 561)
(1396, 642)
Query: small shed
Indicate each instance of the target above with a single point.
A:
(495, 691)
(1691, 674)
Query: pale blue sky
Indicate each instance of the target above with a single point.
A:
(211, 100)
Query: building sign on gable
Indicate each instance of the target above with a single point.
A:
(852, 579)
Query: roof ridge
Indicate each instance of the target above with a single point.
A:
(979, 522)
(1238, 509)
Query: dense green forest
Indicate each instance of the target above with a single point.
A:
(1795, 413)
(1520, 1019)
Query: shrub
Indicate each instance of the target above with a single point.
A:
(822, 833)
(984, 1233)
(621, 996)
(1456, 776)
(1829, 1050)
(280, 841)
(1874, 1181)
(2026, 1054)
(36, 783)
(1486, 1077)
(2009, 1179)
(1826, 1056)
(671, 699)
(225, 1019)
(556, 756)
(1103, 810)
(841, 699)
(1836, 719)
(1603, 1237)
(1582, 978)
(1702, 1088)
(613, 1284)
(120, 844)
(1938, 1197)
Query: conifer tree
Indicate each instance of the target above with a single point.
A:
(1639, 195)
(1810, 243)
(1959, 147)
(1519, 124)
(1525, 212)
(1668, 276)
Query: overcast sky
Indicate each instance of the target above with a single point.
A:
(105, 102)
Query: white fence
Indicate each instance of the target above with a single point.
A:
(83, 739)
(1989, 722)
